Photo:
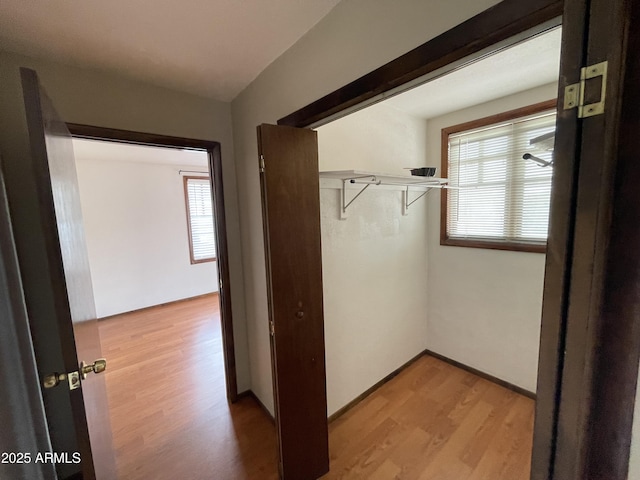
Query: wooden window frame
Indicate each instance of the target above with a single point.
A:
(186, 179)
(473, 124)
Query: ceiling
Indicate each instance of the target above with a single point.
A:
(526, 65)
(84, 149)
(213, 48)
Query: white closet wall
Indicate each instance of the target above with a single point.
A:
(485, 305)
(391, 290)
(374, 262)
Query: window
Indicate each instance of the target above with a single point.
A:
(500, 200)
(202, 246)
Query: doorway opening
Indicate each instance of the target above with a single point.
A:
(154, 220)
(475, 303)
(461, 46)
(206, 156)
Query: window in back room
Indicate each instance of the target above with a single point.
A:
(200, 221)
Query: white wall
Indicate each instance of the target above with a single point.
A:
(356, 37)
(136, 227)
(485, 305)
(385, 299)
(374, 262)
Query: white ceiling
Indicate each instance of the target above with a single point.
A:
(84, 149)
(526, 65)
(213, 48)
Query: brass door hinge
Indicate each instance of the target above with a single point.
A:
(272, 329)
(261, 163)
(574, 94)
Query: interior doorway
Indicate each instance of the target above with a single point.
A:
(154, 222)
(212, 167)
(396, 287)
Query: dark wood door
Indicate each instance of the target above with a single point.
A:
(291, 216)
(593, 250)
(67, 333)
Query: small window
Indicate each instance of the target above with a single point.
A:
(499, 199)
(200, 220)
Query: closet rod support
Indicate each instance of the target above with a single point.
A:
(345, 204)
(407, 203)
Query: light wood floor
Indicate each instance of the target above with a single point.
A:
(167, 399)
(170, 416)
(434, 422)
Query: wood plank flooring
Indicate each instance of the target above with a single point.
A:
(170, 416)
(167, 399)
(434, 422)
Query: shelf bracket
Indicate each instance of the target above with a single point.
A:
(406, 203)
(343, 199)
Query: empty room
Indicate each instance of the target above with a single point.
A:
(148, 216)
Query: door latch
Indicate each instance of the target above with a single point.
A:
(54, 379)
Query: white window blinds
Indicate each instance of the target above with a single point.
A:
(200, 218)
(500, 196)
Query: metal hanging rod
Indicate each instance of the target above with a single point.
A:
(180, 172)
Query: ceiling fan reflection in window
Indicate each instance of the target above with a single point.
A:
(542, 143)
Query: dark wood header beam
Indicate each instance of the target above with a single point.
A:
(498, 23)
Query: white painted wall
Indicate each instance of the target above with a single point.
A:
(356, 37)
(136, 228)
(479, 307)
(485, 305)
(374, 263)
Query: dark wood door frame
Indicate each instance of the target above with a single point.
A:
(467, 41)
(602, 349)
(585, 396)
(215, 168)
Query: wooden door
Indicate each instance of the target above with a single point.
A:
(597, 214)
(60, 301)
(291, 217)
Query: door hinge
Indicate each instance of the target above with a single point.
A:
(272, 328)
(574, 94)
(261, 163)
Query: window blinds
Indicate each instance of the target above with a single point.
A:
(201, 226)
(500, 196)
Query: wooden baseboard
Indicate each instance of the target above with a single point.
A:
(249, 393)
(372, 389)
(482, 374)
(448, 360)
(211, 294)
